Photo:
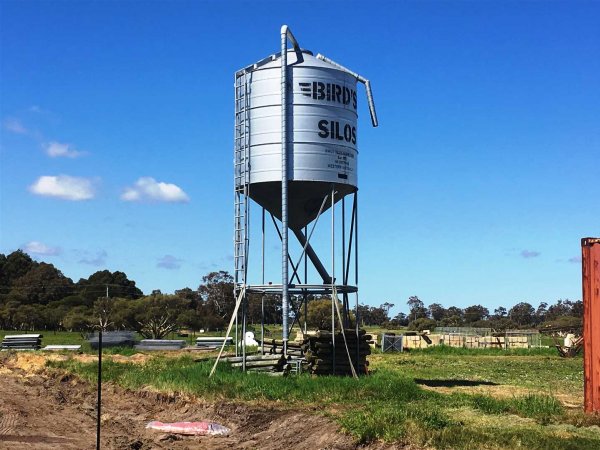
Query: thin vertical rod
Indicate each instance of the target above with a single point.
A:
(262, 297)
(243, 341)
(344, 296)
(99, 406)
(99, 382)
(355, 208)
(246, 255)
(356, 239)
(305, 282)
(333, 277)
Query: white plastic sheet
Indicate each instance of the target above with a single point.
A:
(203, 428)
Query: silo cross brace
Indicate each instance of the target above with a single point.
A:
(289, 257)
(312, 256)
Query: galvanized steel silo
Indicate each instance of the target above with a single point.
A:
(296, 143)
(322, 138)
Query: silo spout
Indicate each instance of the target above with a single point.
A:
(286, 33)
(360, 78)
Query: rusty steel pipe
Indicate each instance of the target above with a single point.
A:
(590, 275)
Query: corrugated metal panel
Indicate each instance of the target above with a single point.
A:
(323, 120)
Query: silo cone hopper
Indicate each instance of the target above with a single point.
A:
(305, 199)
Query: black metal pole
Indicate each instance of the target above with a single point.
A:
(99, 389)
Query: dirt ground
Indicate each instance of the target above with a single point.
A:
(42, 410)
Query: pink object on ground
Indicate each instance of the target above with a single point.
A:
(191, 428)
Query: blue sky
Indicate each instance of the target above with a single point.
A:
(117, 124)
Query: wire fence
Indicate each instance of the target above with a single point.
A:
(472, 337)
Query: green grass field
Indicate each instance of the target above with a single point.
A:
(442, 398)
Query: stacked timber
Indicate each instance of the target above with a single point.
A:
(275, 347)
(322, 358)
(260, 363)
(300, 337)
(160, 344)
(22, 342)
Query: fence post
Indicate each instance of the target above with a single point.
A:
(590, 275)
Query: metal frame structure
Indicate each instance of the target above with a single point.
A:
(294, 285)
(392, 343)
(533, 337)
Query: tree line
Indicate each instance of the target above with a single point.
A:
(37, 296)
(561, 314)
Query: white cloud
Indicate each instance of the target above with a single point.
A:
(39, 248)
(64, 187)
(57, 150)
(148, 189)
(575, 259)
(15, 126)
(169, 262)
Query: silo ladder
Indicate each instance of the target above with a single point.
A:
(241, 176)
